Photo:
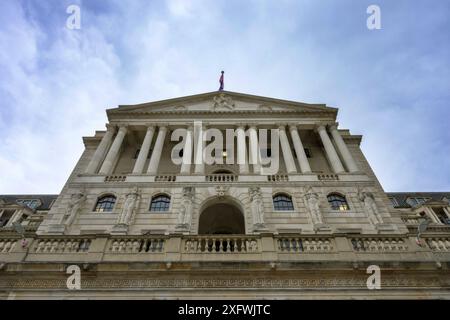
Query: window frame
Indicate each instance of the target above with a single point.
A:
(21, 201)
(283, 194)
(154, 197)
(340, 207)
(101, 198)
(417, 203)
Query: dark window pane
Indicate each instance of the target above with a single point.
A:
(105, 204)
(283, 202)
(337, 202)
(160, 203)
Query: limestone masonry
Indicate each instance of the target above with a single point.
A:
(141, 225)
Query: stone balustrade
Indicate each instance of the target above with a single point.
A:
(221, 178)
(308, 245)
(412, 220)
(7, 245)
(379, 244)
(278, 178)
(438, 244)
(136, 245)
(327, 177)
(115, 178)
(61, 245)
(191, 248)
(221, 244)
(166, 178)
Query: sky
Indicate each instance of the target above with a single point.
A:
(391, 85)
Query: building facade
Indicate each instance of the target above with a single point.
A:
(289, 208)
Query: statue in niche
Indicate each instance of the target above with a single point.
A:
(223, 101)
(257, 207)
(128, 207)
(186, 208)
(76, 201)
(312, 201)
(370, 207)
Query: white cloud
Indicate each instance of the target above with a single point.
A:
(56, 85)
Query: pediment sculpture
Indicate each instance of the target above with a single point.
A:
(222, 101)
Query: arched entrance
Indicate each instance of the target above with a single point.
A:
(221, 218)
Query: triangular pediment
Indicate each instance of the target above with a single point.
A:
(222, 101)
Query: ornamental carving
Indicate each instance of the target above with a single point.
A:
(222, 101)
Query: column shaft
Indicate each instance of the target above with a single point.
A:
(99, 154)
(241, 150)
(113, 153)
(157, 151)
(15, 216)
(143, 153)
(199, 147)
(329, 149)
(343, 150)
(187, 153)
(286, 149)
(254, 150)
(299, 150)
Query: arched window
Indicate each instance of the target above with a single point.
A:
(282, 202)
(160, 203)
(105, 204)
(337, 202)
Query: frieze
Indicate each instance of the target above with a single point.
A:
(267, 283)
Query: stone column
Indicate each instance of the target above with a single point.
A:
(187, 152)
(200, 146)
(241, 150)
(432, 215)
(143, 153)
(113, 153)
(342, 147)
(286, 149)
(254, 149)
(299, 150)
(329, 149)
(14, 217)
(157, 150)
(101, 150)
(447, 211)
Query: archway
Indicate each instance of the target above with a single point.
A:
(221, 218)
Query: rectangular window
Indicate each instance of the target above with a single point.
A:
(414, 201)
(30, 203)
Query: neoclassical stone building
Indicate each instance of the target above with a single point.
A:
(145, 215)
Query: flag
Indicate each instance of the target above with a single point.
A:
(221, 82)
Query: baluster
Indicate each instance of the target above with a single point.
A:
(235, 245)
(121, 246)
(7, 246)
(447, 244)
